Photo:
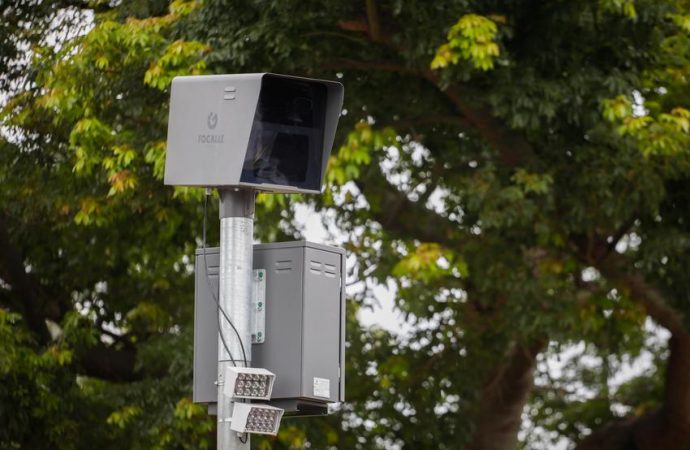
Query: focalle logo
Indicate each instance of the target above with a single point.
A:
(211, 121)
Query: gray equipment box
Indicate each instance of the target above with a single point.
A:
(258, 130)
(304, 343)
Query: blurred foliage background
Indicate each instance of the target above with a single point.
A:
(516, 172)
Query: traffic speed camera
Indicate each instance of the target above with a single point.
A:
(261, 131)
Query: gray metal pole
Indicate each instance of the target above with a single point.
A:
(235, 273)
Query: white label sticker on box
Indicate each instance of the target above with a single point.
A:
(322, 387)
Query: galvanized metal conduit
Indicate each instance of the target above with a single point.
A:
(235, 276)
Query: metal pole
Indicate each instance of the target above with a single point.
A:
(235, 273)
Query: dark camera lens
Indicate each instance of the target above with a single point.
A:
(301, 110)
(286, 142)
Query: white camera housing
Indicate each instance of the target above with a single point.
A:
(261, 131)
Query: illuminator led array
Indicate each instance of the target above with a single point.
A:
(254, 418)
(248, 382)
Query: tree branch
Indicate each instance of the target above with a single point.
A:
(84, 4)
(656, 306)
(402, 217)
(27, 294)
(512, 146)
(677, 395)
(373, 21)
(109, 363)
(36, 306)
(432, 119)
(385, 66)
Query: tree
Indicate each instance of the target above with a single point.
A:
(517, 170)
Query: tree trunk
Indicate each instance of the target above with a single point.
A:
(503, 399)
(667, 428)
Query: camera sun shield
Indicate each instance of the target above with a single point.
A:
(263, 131)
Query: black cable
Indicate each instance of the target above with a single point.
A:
(225, 344)
(213, 293)
(246, 436)
(210, 287)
